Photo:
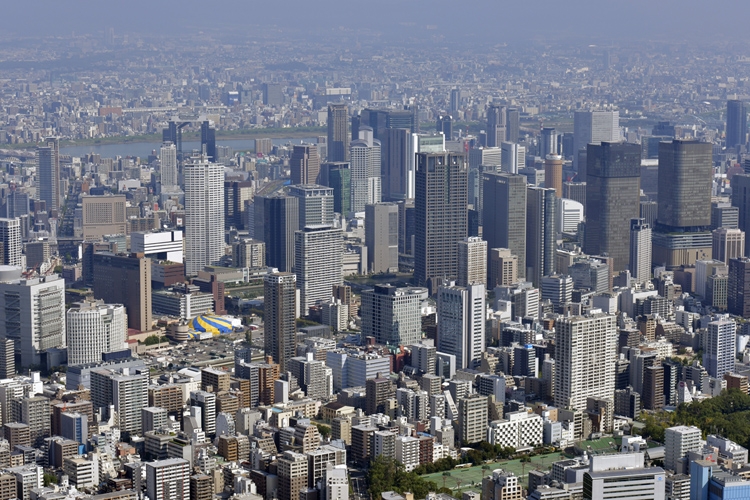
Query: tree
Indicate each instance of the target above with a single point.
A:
(324, 430)
(445, 476)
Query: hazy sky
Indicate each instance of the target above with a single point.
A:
(497, 19)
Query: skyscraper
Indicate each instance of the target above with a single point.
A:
(236, 193)
(736, 124)
(593, 127)
(496, 125)
(682, 235)
(304, 164)
(613, 194)
(381, 237)
(512, 124)
(585, 352)
(513, 157)
(208, 141)
(364, 154)
(340, 180)
(640, 251)
(741, 200)
(10, 237)
(727, 244)
(33, 312)
(280, 291)
(504, 215)
(738, 288)
(338, 132)
(168, 164)
(541, 233)
(472, 261)
(548, 142)
(48, 173)
(553, 173)
(315, 204)
(461, 323)
(317, 263)
(276, 219)
(125, 279)
(440, 216)
(204, 214)
(397, 163)
(720, 351)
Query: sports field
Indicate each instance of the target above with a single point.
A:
(471, 477)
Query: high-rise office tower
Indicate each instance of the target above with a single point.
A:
(273, 94)
(304, 164)
(93, 329)
(727, 244)
(741, 200)
(504, 215)
(585, 352)
(678, 441)
(512, 124)
(276, 220)
(48, 173)
(397, 163)
(548, 142)
(558, 289)
(17, 204)
(392, 315)
(455, 100)
(340, 180)
(472, 261)
(736, 124)
(10, 237)
(461, 323)
(503, 268)
(208, 141)
(723, 214)
(168, 164)
(613, 194)
(569, 215)
(364, 154)
(440, 216)
(315, 204)
(682, 235)
(513, 157)
(236, 194)
(444, 125)
(280, 291)
(33, 312)
(640, 251)
(103, 215)
(496, 125)
(338, 132)
(593, 127)
(541, 233)
(381, 237)
(125, 279)
(553, 173)
(317, 263)
(204, 214)
(738, 287)
(720, 352)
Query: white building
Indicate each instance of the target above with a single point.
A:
(623, 475)
(407, 452)
(678, 441)
(168, 479)
(168, 164)
(593, 127)
(95, 328)
(513, 157)
(317, 264)
(129, 396)
(585, 353)
(519, 429)
(721, 338)
(337, 483)
(570, 215)
(10, 236)
(335, 314)
(461, 323)
(640, 251)
(472, 261)
(165, 245)
(32, 312)
(364, 154)
(204, 214)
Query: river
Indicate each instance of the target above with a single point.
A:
(143, 149)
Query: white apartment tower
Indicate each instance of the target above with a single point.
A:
(719, 355)
(585, 352)
(364, 156)
(168, 479)
(461, 323)
(10, 236)
(204, 214)
(95, 328)
(168, 164)
(640, 250)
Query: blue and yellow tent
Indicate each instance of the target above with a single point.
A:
(212, 324)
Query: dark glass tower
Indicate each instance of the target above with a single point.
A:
(504, 216)
(613, 186)
(736, 123)
(338, 130)
(208, 140)
(440, 216)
